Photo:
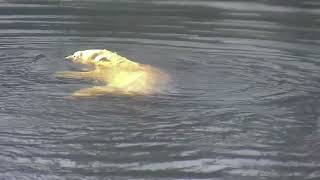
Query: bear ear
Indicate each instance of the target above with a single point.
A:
(103, 59)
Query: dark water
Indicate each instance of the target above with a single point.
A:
(244, 103)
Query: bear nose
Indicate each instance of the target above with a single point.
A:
(69, 57)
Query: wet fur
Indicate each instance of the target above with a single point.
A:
(120, 75)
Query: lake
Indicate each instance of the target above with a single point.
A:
(243, 101)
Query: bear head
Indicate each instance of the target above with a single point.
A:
(102, 58)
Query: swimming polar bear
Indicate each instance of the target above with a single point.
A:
(119, 75)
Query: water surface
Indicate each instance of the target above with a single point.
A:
(243, 103)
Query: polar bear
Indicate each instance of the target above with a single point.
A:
(119, 75)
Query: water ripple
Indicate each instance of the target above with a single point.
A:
(242, 103)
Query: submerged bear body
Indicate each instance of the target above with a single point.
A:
(119, 75)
